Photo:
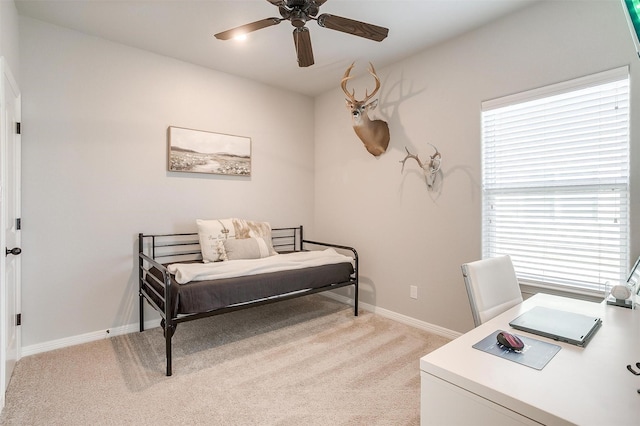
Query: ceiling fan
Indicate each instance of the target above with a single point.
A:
(298, 12)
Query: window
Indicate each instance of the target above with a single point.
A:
(555, 177)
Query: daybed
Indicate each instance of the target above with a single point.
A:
(166, 259)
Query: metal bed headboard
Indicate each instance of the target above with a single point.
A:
(167, 248)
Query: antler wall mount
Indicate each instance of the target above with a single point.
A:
(299, 12)
(430, 168)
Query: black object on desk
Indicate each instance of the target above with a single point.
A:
(535, 354)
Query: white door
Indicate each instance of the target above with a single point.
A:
(10, 227)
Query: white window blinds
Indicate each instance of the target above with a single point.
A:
(556, 179)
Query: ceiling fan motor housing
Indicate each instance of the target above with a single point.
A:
(298, 18)
(292, 4)
(298, 12)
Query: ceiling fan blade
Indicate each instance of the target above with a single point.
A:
(319, 2)
(349, 26)
(277, 2)
(302, 40)
(247, 28)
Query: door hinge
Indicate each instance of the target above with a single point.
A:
(19, 319)
(18, 128)
(18, 223)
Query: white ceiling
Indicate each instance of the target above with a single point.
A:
(184, 29)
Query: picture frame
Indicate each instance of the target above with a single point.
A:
(199, 151)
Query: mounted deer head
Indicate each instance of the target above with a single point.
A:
(373, 133)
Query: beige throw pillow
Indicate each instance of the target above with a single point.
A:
(248, 248)
(251, 229)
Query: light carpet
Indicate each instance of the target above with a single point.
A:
(305, 361)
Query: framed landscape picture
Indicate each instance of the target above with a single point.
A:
(197, 151)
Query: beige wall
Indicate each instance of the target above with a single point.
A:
(407, 235)
(96, 114)
(94, 169)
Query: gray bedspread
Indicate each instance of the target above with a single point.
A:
(205, 296)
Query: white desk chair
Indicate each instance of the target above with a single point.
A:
(492, 287)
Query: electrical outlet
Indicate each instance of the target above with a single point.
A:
(413, 292)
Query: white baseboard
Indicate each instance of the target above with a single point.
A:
(85, 338)
(132, 328)
(422, 325)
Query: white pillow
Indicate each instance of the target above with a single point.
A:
(248, 248)
(212, 234)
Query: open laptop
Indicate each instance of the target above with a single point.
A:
(569, 327)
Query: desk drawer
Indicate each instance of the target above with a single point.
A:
(442, 403)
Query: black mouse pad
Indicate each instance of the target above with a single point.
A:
(535, 354)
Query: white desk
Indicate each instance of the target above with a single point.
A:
(585, 386)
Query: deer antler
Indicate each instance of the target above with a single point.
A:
(343, 84)
(410, 155)
(372, 71)
(433, 164)
(430, 167)
(352, 96)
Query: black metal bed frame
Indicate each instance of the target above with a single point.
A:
(156, 249)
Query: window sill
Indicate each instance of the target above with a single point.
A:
(528, 289)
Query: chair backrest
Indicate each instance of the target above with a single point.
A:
(492, 287)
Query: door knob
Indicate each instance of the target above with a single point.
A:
(15, 251)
